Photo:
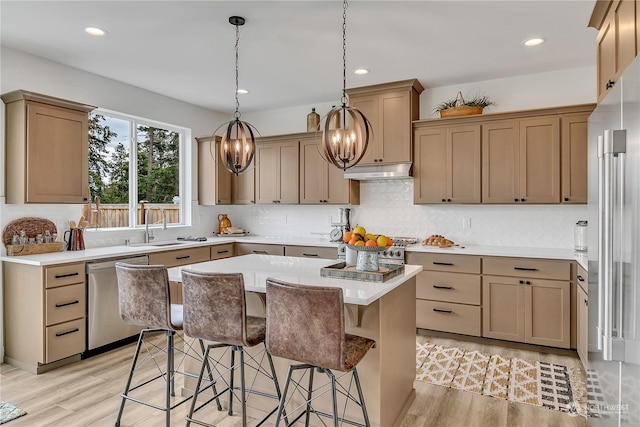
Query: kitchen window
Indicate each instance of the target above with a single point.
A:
(135, 166)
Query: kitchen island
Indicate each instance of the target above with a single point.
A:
(382, 311)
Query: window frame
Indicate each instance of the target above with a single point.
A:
(184, 153)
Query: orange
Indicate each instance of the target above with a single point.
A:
(347, 236)
(389, 241)
(371, 243)
(353, 240)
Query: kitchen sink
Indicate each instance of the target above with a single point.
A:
(159, 244)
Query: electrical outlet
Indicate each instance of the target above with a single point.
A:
(466, 222)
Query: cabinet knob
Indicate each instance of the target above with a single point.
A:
(444, 200)
(586, 302)
(610, 84)
(566, 199)
(515, 200)
(527, 282)
(448, 200)
(521, 282)
(522, 200)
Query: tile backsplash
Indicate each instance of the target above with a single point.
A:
(387, 207)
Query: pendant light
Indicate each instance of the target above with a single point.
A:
(237, 144)
(346, 131)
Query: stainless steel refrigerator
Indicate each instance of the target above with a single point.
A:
(613, 370)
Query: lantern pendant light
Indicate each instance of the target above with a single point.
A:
(346, 131)
(237, 144)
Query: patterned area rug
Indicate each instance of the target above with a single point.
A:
(9, 412)
(535, 383)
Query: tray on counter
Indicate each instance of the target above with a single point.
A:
(341, 271)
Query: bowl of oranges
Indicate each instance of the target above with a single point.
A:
(359, 240)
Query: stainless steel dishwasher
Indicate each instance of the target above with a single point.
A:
(104, 325)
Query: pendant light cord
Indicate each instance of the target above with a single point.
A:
(344, 53)
(237, 113)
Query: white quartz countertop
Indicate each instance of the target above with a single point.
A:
(141, 248)
(257, 268)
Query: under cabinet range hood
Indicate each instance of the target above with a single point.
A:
(371, 172)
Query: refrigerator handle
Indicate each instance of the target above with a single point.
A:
(609, 337)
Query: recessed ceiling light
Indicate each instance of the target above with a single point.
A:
(534, 41)
(243, 91)
(95, 31)
(361, 71)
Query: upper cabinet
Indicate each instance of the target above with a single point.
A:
(390, 108)
(320, 182)
(447, 164)
(618, 40)
(277, 170)
(535, 156)
(47, 146)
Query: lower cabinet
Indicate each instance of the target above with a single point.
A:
(221, 251)
(258, 248)
(582, 316)
(527, 300)
(177, 258)
(312, 251)
(46, 309)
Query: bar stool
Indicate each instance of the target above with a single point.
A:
(215, 310)
(145, 300)
(306, 324)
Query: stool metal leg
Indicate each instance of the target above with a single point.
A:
(126, 388)
(334, 397)
(361, 397)
(198, 383)
(283, 398)
(233, 361)
(205, 361)
(243, 399)
(309, 396)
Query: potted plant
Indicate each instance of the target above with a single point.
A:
(459, 106)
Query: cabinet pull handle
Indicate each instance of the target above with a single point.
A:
(610, 84)
(183, 257)
(310, 255)
(525, 269)
(444, 200)
(580, 278)
(586, 303)
(522, 200)
(60, 276)
(439, 310)
(223, 252)
(527, 282)
(442, 287)
(521, 282)
(515, 200)
(566, 199)
(442, 263)
(59, 334)
(260, 252)
(64, 304)
(448, 200)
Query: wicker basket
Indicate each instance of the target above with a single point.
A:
(460, 109)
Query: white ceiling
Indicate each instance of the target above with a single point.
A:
(291, 51)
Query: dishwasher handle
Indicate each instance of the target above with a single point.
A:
(93, 267)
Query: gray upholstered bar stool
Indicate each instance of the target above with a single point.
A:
(145, 300)
(306, 324)
(215, 310)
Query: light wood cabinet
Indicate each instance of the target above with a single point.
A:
(320, 182)
(218, 186)
(179, 257)
(222, 251)
(47, 145)
(617, 41)
(582, 314)
(258, 248)
(574, 142)
(521, 161)
(311, 251)
(46, 309)
(530, 303)
(448, 293)
(277, 170)
(390, 108)
(447, 164)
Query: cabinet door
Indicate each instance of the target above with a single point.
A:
(222, 251)
(214, 181)
(311, 251)
(57, 155)
(606, 46)
(547, 313)
(180, 257)
(582, 326)
(313, 174)
(288, 167)
(574, 158)
(540, 160)
(625, 25)
(258, 248)
(243, 186)
(430, 165)
(503, 311)
(463, 164)
(500, 162)
(369, 106)
(267, 173)
(394, 145)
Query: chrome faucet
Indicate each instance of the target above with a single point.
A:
(147, 236)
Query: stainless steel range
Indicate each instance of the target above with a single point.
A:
(393, 255)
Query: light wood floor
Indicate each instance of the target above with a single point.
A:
(87, 394)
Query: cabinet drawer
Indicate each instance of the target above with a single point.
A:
(258, 248)
(445, 262)
(448, 287)
(180, 257)
(64, 340)
(64, 275)
(222, 251)
(448, 317)
(582, 279)
(311, 252)
(528, 267)
(65, 303)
